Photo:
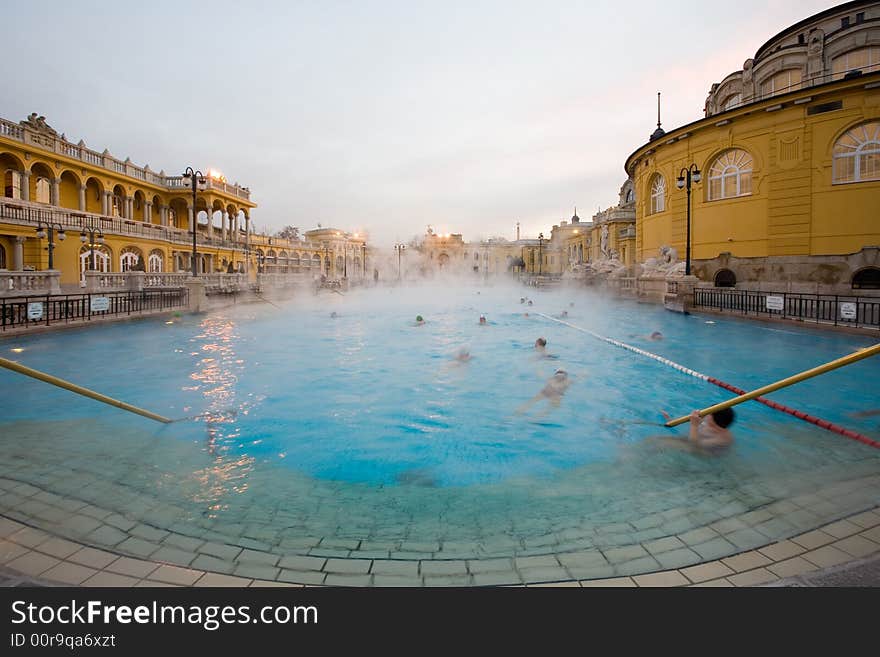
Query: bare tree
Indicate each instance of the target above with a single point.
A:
(289, 232)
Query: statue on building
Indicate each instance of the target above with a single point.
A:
(816, 53)
(603, 242)
(39, 124)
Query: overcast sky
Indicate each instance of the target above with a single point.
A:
(383, 116)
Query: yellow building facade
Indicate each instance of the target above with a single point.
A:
(116, 216)
(789, 174)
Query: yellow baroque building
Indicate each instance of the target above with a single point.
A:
(117, 216)
(788, 156)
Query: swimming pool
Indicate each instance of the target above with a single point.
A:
(361, 436)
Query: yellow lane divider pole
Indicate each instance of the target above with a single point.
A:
(816, 371)
(67, 385)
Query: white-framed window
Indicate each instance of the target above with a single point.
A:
(733, 100)
(856, 154)
(865, 59)
(782, 82)
(12, 184)
(730, 175)
(658, 194)
(128, 259)
(102, 258)
(155, 263)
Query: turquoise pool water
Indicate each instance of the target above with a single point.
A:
(365, 426)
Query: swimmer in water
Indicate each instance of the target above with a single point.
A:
(482, 319)
(708, 436)
(552, 392)
(462, 355)
(419, 320)
(541, 349)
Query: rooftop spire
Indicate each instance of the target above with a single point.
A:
(659, 132)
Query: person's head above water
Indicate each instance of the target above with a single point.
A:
(656, 335)
(540, 343)
(724, 418)
(530, 302)
(482, 319)
(333, 314)
(419, 319)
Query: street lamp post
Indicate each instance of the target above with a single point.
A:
(88, 234)
(400, 248)
(196, 180)
(364, 258)
(48, 227)
(540, 251)
(686, 176)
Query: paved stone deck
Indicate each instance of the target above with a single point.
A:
(30, 556)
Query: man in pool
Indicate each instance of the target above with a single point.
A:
(552, 392)
(482, 319)
(419, 320)
(708, 436)
(541, 349)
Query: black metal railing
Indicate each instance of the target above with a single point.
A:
(45, 310)
(837, 310)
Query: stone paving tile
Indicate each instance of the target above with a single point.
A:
(348, 566)
(58, 547)
(666, 578)
(346, 544)
(255, 571)
(119, 522)
(648, 522)
(396, 568)
(496, 578)
(610, 582)
(255, 557)
(546, 560)
(257, 583)
(148, 533)
(33, 563)
(586, 559)
(872, 534)
(781, 550)
(592, 572)
(105, 579)
(544, 574)
(95, 512)
(728, 525)
(9, 527)
(10, 551)
(137, 547)
(152, 584)
(107, 535)
(220, 550)
(69, 573)
(841, 529)
(302, 563)
(678, 526)
(212, 564)
(706, 571)
(218, 580)
(92, 557)
(714, 549)
(329, 553)
(746, 539)
(756, 517)
(714, 583)
(623, 554)
(663, 545)
(791, 567)
(302, 577)
(677, 558)
(29, 537)
(864, 520)
(489, 565)
(746, 561)
(637, 566)
(176, 575)
(814, 539)
(752, 577)
(827, 556)
(443, 568)
(173, 556)
(132, 567)
(348, 580)
(857, 546)
(182, 542)
(448, 580)
(396, 580)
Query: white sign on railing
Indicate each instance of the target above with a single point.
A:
(35, 310)
(848, 310)
(99, 304)
(775, 302)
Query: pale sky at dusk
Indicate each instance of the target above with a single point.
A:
(383, 116)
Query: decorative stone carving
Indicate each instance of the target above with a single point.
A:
(816, 53)
(38, 123)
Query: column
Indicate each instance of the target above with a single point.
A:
(163, 214)
(129, 207)
(18, 254)
(147, 206)
(82, 198)
(247, 229)
(210, 214)
(223, 219)
(55, 192)
(105, 203)
(192, 218)
(25, 185)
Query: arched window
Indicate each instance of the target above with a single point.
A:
(865, 60)
(630, 196)
(857, 154)
(156, 261)
(658, 194)
(725, 278)
(102, 258)
(42, 190)
(733, 100)
(782, 82)
(867, 279)
(2, 257)
(128, 259)
(730, 175)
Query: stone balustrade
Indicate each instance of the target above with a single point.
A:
(22, 283)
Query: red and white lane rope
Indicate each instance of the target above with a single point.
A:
(806, 417)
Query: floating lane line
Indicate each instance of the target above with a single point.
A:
(806, 417)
